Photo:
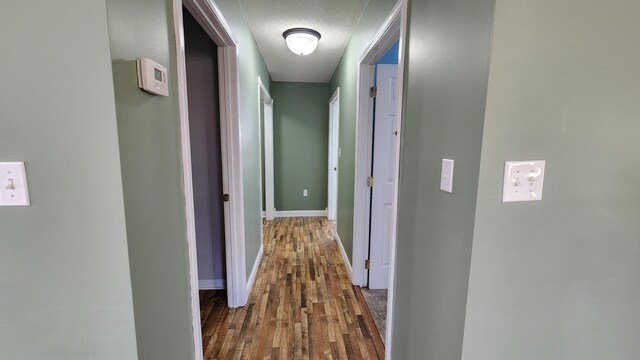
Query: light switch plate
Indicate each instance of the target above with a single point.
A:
(446, 177)
(523, 180)
(13, 184)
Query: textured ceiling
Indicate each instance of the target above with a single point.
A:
(334, 19)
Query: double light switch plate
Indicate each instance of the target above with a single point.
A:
(523, 180)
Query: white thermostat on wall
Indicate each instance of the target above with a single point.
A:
(152, 77)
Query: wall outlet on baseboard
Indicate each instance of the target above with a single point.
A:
(304, 192)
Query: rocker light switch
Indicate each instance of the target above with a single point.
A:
(523, 180)
(13, 184)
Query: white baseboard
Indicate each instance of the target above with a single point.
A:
(215, 284)
(254, 272)
(345, 258)
(264, 214)
(301, 213)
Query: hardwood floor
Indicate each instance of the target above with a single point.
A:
(302, 306)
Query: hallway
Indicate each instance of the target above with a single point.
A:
(302, 305)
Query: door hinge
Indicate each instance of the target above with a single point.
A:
(373, 91)
(367, 264)
(370, 181)
(225, 197)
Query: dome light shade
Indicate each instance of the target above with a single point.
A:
(301, 41)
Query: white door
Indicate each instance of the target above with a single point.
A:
(384, 144)
(334, 117)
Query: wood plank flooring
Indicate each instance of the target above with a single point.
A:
(302, 305)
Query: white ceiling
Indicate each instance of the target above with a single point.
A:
(333, 19)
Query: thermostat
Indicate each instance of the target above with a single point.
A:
(152, 77)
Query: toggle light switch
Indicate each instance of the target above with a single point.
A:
(446, 175)
(523, 180)
(13, 184)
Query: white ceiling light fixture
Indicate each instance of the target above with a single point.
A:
(301, 41)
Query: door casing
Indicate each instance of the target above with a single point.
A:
(334, 136)
(393, 29)
(266, 101)
(212, 21)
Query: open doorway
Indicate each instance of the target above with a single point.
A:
(201, 64)
(383, 179)
(229, 187)
(201, 55)
(266, 136)
(385, 135)
(380, 84)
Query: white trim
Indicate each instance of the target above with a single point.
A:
(301, 213)
(335, 96)
(212, 21)
(387, 35)
(234, 208)
(345, 258)
(265, 100)
(334, 143)
(215, 284)
(393, 28)
(264, 214)
(362, 198)
(391, 294)
(187, 179)
(254, 271)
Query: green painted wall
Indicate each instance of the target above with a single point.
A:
(149, 129)
(149, 133)
(250, 67)
(300, 145)
(65, 289)
(559, 278)
(345, 77)
(447, 67)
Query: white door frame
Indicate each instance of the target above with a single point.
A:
(265, 100)
(334, 133)
(210, 18)
(392, 30)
